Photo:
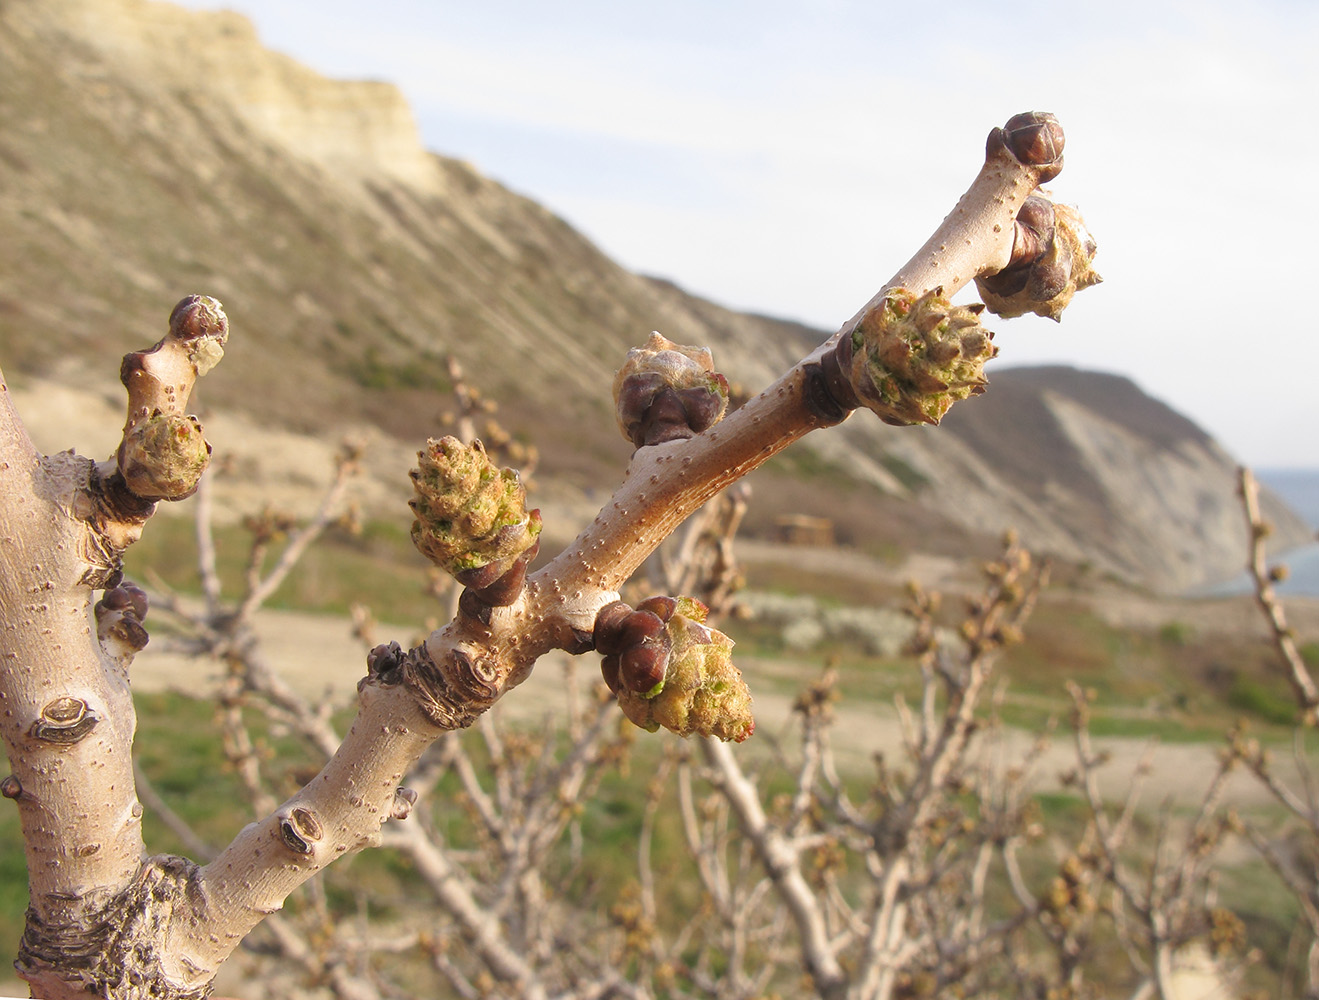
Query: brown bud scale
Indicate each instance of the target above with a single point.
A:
(1052, 259)
(666, 392)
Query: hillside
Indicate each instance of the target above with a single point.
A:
(149, 151)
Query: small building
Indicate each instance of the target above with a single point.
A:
(803, 529)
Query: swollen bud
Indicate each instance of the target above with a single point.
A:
(665, 392)
(163, 456)
(472, 519)
(1052, 259)
(701, 691)
(1036, 139)
(910, 358)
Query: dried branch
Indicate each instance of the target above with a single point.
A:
(1263, 578)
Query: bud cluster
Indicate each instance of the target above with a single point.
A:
(471, 518)
(911, 357)
(669, 669)
(665, 392)
(1053, 258)
(163, 455)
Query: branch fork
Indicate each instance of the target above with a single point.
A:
(471, 520)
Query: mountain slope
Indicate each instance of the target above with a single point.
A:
(149, 151)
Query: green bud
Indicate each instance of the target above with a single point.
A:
(912, 358)
(470, 515)
(702, 691)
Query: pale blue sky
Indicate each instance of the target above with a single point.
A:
(786, 157)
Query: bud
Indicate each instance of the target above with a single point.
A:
(470, 516)
(910, 359)
(199, 322)
(701, 691)
(1036, 139)
(665, 392)
(1053, 259)
(163, 456)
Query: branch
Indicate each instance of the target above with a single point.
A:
(69, 721)
(781, 861)
(1303, 685)
(503, 627)
(667, 483)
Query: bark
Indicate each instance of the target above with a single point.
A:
(68, 715)
(106, 920)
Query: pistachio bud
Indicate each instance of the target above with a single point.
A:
(199, 322)
(910, 358)
(634, 644)
(472, 519)
(665, 392)
(701, 690)
(163, 456)
(1052, 259)
(1036, 139)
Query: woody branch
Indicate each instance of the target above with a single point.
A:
(1027, 252)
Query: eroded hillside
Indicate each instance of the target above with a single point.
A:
(150, 151)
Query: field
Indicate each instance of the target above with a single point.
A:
(1166, 676)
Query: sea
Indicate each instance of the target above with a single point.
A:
(1299, 488)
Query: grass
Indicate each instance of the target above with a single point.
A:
(1168, 682)
(379, 567)
(179, 749)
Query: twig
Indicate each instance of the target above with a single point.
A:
(1303, 685)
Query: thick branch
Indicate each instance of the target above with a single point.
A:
(68, 718)
(464, 668)
(68, 721)
(408, 699)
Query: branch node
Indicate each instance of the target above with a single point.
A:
(404, 800)
(828, 394)
(64, 722)
(300, 831)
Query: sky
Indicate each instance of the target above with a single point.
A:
(786, 157)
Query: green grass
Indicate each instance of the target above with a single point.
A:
(378, 567)
(13, 882)
(178, 747)
(1168, 683)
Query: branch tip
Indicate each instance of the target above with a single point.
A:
(1035, 139)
